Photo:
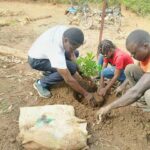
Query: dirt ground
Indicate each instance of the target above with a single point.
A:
(126, 128)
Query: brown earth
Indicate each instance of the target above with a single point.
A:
(125, 129)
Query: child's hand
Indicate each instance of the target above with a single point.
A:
(102, 91)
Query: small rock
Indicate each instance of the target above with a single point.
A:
(12, 140)
(148, 137)
(96, 143)
(86, 148)
(9, 108)
(31, 93)
(122, 118)
(5, 128)
(4, 66)
(20, 72)
(93, 124)
(89, 136)
(19, 80)
(109, 122)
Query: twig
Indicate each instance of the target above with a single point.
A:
(38, 18)
(2, 94)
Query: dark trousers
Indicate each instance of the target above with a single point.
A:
(53, 77)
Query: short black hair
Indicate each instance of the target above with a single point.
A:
(138, 37)
(75, 36)
(105, 46)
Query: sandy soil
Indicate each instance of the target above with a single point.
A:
(126, 128)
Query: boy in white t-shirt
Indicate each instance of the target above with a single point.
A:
(55, 51)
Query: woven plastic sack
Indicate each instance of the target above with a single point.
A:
(51, 127)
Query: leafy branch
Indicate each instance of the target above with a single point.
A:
(88, 65)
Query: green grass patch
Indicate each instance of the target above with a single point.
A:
(140, 7)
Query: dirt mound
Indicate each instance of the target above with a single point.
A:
(91, 87)
(98, 100)
(126, 128)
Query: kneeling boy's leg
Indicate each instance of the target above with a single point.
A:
(147, 97)
(122, 76)
(133, 73)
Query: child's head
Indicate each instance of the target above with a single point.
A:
(106, 48)
(138, 44)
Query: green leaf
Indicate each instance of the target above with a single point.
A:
(88, 65)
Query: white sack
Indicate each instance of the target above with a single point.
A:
(51, 127)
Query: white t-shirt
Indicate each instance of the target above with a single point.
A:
(50, 46)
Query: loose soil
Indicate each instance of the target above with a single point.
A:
(125, 129)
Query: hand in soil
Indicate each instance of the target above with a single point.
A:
(96, 100)
(89, 97)
(102, 91)
(99, 99)
(102, 113)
